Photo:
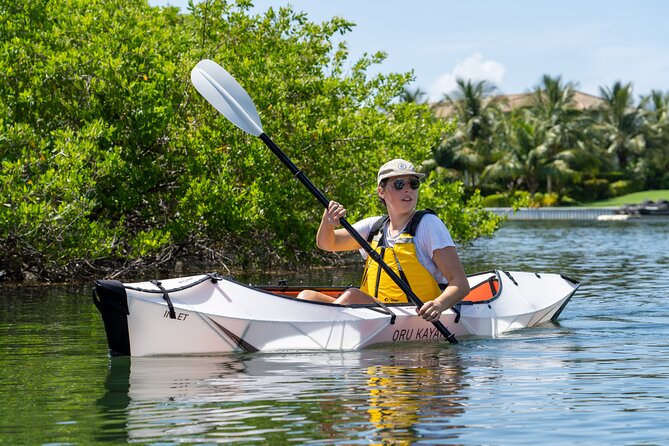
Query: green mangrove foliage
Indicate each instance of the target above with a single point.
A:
(112, 161)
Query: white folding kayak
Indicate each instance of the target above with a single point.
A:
(208, 313)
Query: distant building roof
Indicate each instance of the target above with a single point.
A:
(582, 101)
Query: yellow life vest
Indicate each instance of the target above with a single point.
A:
(402, 259)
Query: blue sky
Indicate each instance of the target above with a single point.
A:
(592, 43)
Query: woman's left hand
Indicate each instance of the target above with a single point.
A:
(430, 311)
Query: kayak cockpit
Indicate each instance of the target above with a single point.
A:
(285, 290)
(484, 287)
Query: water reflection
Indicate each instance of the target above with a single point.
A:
(403, 396)
(379, 395)
(114, 403)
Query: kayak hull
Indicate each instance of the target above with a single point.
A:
(208, 314)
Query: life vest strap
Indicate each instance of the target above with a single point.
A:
(410, 229)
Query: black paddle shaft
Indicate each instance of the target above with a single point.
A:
(351, 230)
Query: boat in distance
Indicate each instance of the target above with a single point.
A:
(210, 314)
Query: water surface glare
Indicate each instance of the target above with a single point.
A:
(599, 376)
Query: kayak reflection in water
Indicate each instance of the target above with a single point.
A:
(408, 403)
(415, 244)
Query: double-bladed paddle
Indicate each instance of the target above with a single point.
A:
(222, 91)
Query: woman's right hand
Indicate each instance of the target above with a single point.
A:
(329, 238)
(333, 213)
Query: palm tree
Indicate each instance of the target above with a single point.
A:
(517, 163)
(469, 148)
(656, 135)
(553, 100)
(522, 159)
(622, 124)
(562, 127)
(416, 96)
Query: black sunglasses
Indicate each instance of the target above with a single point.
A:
(398, 184)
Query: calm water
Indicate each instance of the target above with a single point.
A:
(601, 376)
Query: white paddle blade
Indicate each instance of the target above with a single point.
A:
(222, 91)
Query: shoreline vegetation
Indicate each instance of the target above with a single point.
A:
(633, 198)
(112, 165)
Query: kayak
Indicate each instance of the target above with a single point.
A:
(209, 314)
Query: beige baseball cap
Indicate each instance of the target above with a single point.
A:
(396, 168)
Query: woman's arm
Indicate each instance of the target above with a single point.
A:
(328, 237)
(448, 262)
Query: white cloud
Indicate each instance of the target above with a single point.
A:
(473, 68)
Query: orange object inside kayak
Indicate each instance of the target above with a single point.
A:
(483, 291)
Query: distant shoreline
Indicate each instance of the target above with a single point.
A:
(633, 198)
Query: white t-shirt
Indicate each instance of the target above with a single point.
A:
(431, 235)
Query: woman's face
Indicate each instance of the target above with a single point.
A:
(399, 193)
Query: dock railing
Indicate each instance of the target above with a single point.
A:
(557, 213)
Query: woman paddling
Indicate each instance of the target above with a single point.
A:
(415, 244)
